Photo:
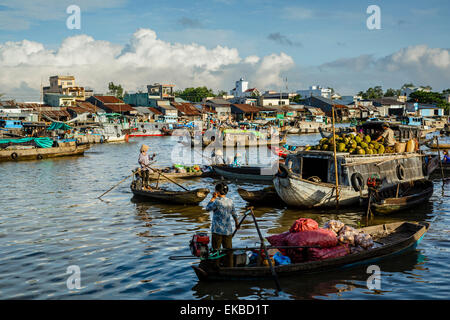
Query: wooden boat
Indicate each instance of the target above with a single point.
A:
(22, 153)
(242, 173)
(307, 179)
(410, 194)
(257, 197)
(282, 152)
(191, 197)
(434, 146)
(180, 175)
(390, 240)
(437, 174)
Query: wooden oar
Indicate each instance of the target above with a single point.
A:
(168, 178)
(116, 185)
(272, 269)
(239, 225)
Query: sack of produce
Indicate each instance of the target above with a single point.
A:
(278, 240)
(295, 255)
(400, 147)
(315, 254)
(347, 235)
(304, 224)
(411, 146)
(334, 225)
(364, 240)
(321, 237)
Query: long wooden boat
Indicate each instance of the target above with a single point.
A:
(390, 240)
(21, 154)
(410, 194)
(192, 197)
(260, 197)
(437, 174)
(434, 146)
(180, 175)
(307, 179)
(242, 173)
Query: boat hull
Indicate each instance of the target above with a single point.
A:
(41, 153)
(297, 192)
(192, 197)
(266, 196)
(242, 173)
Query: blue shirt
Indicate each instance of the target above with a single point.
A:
(223, 214)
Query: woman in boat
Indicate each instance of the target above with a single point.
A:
(222, 226)
(144, 161)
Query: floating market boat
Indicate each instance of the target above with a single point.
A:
(308, 179)
(390, 240)
(191, 197)
(179, 175)
(266, 196)
(434, 146)
(242, 173)
(403, 196)
(37, 149)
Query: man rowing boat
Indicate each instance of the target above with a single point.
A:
(144, 161)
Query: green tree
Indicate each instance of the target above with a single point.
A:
(446, 91)
(221, 93)
(430, 98)
(296, 99)
(195, 94)
(407, 85)
(392, 93)
(116, 91)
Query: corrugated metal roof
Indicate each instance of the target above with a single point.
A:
(246, 108)
(186, 108)
(108, 99)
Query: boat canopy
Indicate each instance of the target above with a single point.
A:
(40, 142)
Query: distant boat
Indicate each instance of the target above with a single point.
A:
(21, 153)
(241, 173)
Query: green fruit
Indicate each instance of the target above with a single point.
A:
(358, 139)
(340, 147)
(364, 145)
(368, 151)
(371, 146)
(361, 151)
(367, 138)
(308, 148)
(324, 147)
(323, 140)
(351, 151)
(381, 149)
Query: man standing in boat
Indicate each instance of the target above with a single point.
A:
(388, 135)
(144, 161)
(222, 226)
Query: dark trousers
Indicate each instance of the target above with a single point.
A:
(145, 177)
(226, 242)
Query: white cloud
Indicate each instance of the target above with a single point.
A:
(144, 60)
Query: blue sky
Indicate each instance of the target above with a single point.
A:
(314, 34)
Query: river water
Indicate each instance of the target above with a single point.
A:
(51, 219)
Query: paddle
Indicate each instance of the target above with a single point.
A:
(158, 171)
(272, 269)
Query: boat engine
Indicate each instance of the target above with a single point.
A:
(199, 244)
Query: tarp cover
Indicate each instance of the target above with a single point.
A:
(59, 126)
(40, 142)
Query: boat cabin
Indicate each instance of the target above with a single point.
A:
(318, 166)
(403, 133)
(11, 124)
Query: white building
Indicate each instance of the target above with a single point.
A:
(408, 90)
(315, 91)
(240, 87)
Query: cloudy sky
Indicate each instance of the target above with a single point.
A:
(215, 42)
